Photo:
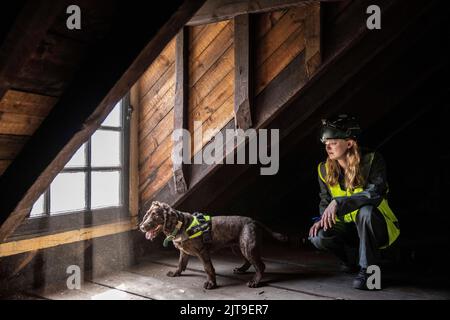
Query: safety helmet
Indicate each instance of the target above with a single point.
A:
(343, 126)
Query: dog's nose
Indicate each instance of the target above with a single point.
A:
(142, 228)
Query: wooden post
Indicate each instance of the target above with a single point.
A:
(312, 38)
(243, 72)
(134, 152)
(180, 107)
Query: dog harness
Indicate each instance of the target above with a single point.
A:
(200, 226)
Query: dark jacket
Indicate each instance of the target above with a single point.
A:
(375, 188)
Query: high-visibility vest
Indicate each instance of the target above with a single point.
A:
(389, 216)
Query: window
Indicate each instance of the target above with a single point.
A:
(93, 186)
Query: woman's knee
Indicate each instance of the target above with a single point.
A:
(367, 213)
(321, 241)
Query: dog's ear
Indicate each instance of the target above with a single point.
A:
(156, 203)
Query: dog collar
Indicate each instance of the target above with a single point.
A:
(172, 236)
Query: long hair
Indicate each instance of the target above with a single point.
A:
(353, 176)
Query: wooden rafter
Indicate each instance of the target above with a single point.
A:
(243, 89)
(218, 10)
(180, 107)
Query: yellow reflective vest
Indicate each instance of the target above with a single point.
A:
(383, 207)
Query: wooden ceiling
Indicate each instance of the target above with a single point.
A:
(38, 64)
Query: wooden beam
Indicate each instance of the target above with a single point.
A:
(243, 88)
(313, 23)
(134, 151)
(30, 27)
(53, 240)
(218, 10)
(104, 78)
(180, 108)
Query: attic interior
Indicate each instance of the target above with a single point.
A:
(118, 97)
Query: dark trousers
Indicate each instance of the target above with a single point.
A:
(369, 233)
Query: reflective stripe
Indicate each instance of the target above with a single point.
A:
(389, 216)
(195, 222)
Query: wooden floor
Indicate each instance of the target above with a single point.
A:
(290, 275)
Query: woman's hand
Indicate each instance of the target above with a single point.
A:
(314, 229)
(329, 216)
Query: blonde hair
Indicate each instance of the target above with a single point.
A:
(353, 176)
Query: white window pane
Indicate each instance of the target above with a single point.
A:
(105, 189)
(105, 148)
(67, 192)
(38, 207)
(78, 159)
(113, 119)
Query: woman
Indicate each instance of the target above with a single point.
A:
(353, 205)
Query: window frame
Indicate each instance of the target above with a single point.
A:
(71, 220)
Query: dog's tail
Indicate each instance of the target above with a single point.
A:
(277, 236)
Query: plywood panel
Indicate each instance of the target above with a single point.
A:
(27, 103)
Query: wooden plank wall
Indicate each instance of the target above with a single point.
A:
(211, 80)
(279, 37)
(157, 98)
(211, 73)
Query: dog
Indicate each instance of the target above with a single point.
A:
(225, 231)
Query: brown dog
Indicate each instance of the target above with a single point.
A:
(226, 231)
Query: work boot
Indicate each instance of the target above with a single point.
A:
(360, 282)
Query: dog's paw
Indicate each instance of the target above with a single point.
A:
(253, 284)
(173, 274)
(208, 285)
